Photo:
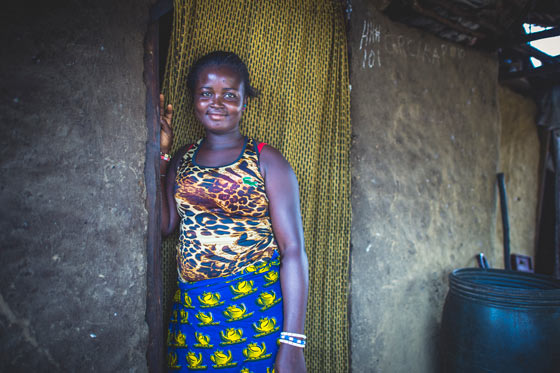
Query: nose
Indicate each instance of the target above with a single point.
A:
(216, 101)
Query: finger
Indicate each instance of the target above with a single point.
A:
(169, 113)
(161, 102)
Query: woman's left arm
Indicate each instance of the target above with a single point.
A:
(284, 207)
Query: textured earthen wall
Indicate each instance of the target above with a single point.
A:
(426, 149)
(72, 222)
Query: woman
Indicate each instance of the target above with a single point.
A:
(243, 271)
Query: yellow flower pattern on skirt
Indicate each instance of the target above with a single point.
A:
(227, 324)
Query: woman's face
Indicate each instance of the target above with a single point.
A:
(219, 98)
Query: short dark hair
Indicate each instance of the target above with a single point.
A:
(221, 58)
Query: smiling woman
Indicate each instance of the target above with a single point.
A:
(242, 267)
(296, 52)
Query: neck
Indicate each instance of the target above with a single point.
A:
(224, 140)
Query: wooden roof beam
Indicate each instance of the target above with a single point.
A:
(431, 14)
(471, 17)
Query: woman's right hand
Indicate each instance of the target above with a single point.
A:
(166, 132)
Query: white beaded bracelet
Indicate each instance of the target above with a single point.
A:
(292, 343)
(302, 336)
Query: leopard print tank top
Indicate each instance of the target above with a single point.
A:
(225, 225)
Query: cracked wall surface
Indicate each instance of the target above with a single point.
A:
(427, 137)
(73, 221)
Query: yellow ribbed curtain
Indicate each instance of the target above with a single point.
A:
(297, 57)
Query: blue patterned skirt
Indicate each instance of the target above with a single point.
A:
(227, 324)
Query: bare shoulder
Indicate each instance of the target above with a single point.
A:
(281, 185)
(272, 160)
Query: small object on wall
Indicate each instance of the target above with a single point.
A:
(522, 263)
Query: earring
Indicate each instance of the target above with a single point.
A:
(244, 106)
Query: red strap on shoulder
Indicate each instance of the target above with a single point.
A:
(190, 146)
(260, 146)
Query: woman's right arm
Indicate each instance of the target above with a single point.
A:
(168, 170)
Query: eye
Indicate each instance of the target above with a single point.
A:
(229, 95)
(205, 94)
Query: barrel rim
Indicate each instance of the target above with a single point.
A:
(539, 291)
(459, 272)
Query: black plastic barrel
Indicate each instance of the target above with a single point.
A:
(501, 321)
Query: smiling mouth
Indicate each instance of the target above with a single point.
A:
(219, 114)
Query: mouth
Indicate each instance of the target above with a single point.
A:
(216, 117)
(216, 114)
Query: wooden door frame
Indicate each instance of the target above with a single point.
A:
(155, 354)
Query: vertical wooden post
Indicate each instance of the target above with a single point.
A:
(544, 139)
(548, 219)
(154, 309)
(155, 354)
(556, 147)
